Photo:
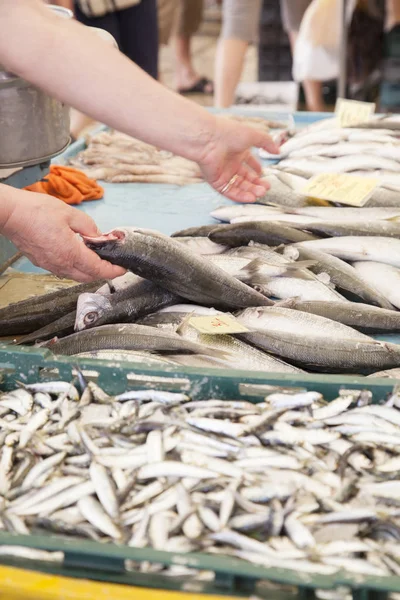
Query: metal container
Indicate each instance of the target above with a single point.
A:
(33, 126)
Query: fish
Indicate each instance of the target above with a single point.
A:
(93, 309)
(344, 164)
(290, 282)
(261, 232)
(363, 317)
(157, 257)
(126, 337)
(28, 315)
(248, 211)
(316, 342)
(201, 245)
(352, 228)
(289, 219)
(342, 275)
(359, 248)
(341, 213)
(184, 477)
(385, 277)
(201, 231)
(60, 327)
(238, 353)
(389, 373)
(281, 193)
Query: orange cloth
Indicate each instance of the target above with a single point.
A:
(69, 185)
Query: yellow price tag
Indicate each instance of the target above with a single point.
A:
(351, 112)
(217, 325)
(345, 189)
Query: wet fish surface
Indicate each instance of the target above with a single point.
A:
(157, 257)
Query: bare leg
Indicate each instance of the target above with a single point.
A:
(392, 14)
(312, 89)
(228, 69)
(186, 74)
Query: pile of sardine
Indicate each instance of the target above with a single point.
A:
(292, 482)
(291, 289)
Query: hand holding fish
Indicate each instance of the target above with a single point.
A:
(228, 164)
(45, 229)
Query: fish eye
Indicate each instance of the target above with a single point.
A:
(90, 318)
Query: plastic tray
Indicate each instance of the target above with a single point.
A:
(106, 562)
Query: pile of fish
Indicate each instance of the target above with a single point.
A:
(292, 482)
(371, 149)
(289, 288)
(119, 158)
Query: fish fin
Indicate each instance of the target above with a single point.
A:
(302, 264)
(184, 324)
(287, 303)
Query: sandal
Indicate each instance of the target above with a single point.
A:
(202, 86)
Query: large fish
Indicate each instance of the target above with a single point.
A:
(342, 213)
(316, 342)
(342, 275)
(165, 261)
(281, 193)
(29, 315)
(239, 355)
(341, 228)
(94, 310)
(345, 164)
(385, 277)
(60, 327)
(363, 317)
(249, 211)
(261, 232)
(127, 337)
(363, 248)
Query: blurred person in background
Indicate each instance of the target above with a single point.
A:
(240, 27)
(132, 23)
(182, 19)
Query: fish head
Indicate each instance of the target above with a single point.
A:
(90, 308)
(117, 244)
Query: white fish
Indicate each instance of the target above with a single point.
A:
(250, 211)
(95, 514)
(359, 248)
(384, 277)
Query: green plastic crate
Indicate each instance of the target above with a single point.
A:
(106, 562)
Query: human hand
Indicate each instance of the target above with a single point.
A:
(228, 164)
(44, 229)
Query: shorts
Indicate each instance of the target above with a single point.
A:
(292, 14)
(241, 19)
(182, 17)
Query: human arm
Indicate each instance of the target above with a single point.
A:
(25, 218)
(71, 63)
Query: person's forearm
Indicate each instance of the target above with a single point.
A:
(72, 64)
(8, 199)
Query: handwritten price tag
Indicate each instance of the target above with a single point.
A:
(217, 325)
(345, 189)
(351, 112)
